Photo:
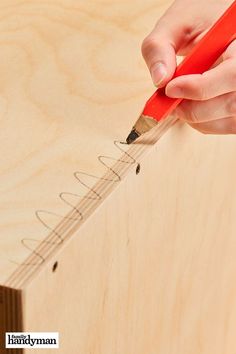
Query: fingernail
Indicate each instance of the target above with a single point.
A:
(175, 92)
(158, 73)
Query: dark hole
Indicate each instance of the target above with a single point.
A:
(138, 169)
(55, 265)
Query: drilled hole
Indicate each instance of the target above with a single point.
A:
(138, 169)
(55, 265)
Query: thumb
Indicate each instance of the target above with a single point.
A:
(160, 57)
(160, 47)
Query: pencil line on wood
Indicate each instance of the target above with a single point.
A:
(70, 223)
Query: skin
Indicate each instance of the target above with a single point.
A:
(210, 105)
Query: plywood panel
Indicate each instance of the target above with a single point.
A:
(146, 263)
(153, 270)
(72, 82)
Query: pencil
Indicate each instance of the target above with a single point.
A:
(200, 59)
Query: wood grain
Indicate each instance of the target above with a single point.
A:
(67, 92)
(145, 265)
(162, 286)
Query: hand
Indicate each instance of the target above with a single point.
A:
(210, 105)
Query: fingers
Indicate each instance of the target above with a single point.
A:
(219, 126)
(217, 81)
(159, 48)
(159, 54)
(205, 111)
(210, 104)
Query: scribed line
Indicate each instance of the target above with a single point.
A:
(88, 203)
(78, 211)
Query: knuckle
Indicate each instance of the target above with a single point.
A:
(203, 94)
(148, 45)
(200, 91)
(187, 111)
(231, 106)
(193, 116)
(233, 76)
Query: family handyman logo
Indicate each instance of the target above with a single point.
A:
(32, 340)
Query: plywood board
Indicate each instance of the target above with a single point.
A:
(153, 270)
(145, 262)
(67, 93)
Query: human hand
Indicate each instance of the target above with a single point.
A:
(210, 98)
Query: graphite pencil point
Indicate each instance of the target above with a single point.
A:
(133, 135)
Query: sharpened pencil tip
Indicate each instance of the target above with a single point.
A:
(133, 135)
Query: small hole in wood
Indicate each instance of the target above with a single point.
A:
(138, 169)
(54, 267)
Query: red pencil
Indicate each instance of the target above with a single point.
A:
(200, 59)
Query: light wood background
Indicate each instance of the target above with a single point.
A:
(149, 266)
(72, 82)
(166, 286)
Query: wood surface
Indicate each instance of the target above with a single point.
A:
(164, 286)
(72, 82)
(117, 262)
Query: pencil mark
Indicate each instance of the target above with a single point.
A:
(63, 195)
(79, 210)
(40, 213)
(28, 243)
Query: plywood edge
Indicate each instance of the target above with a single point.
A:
(79, 214)
(10, 315)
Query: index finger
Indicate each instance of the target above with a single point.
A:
(214, 82)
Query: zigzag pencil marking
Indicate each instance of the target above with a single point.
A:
(92, 195)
